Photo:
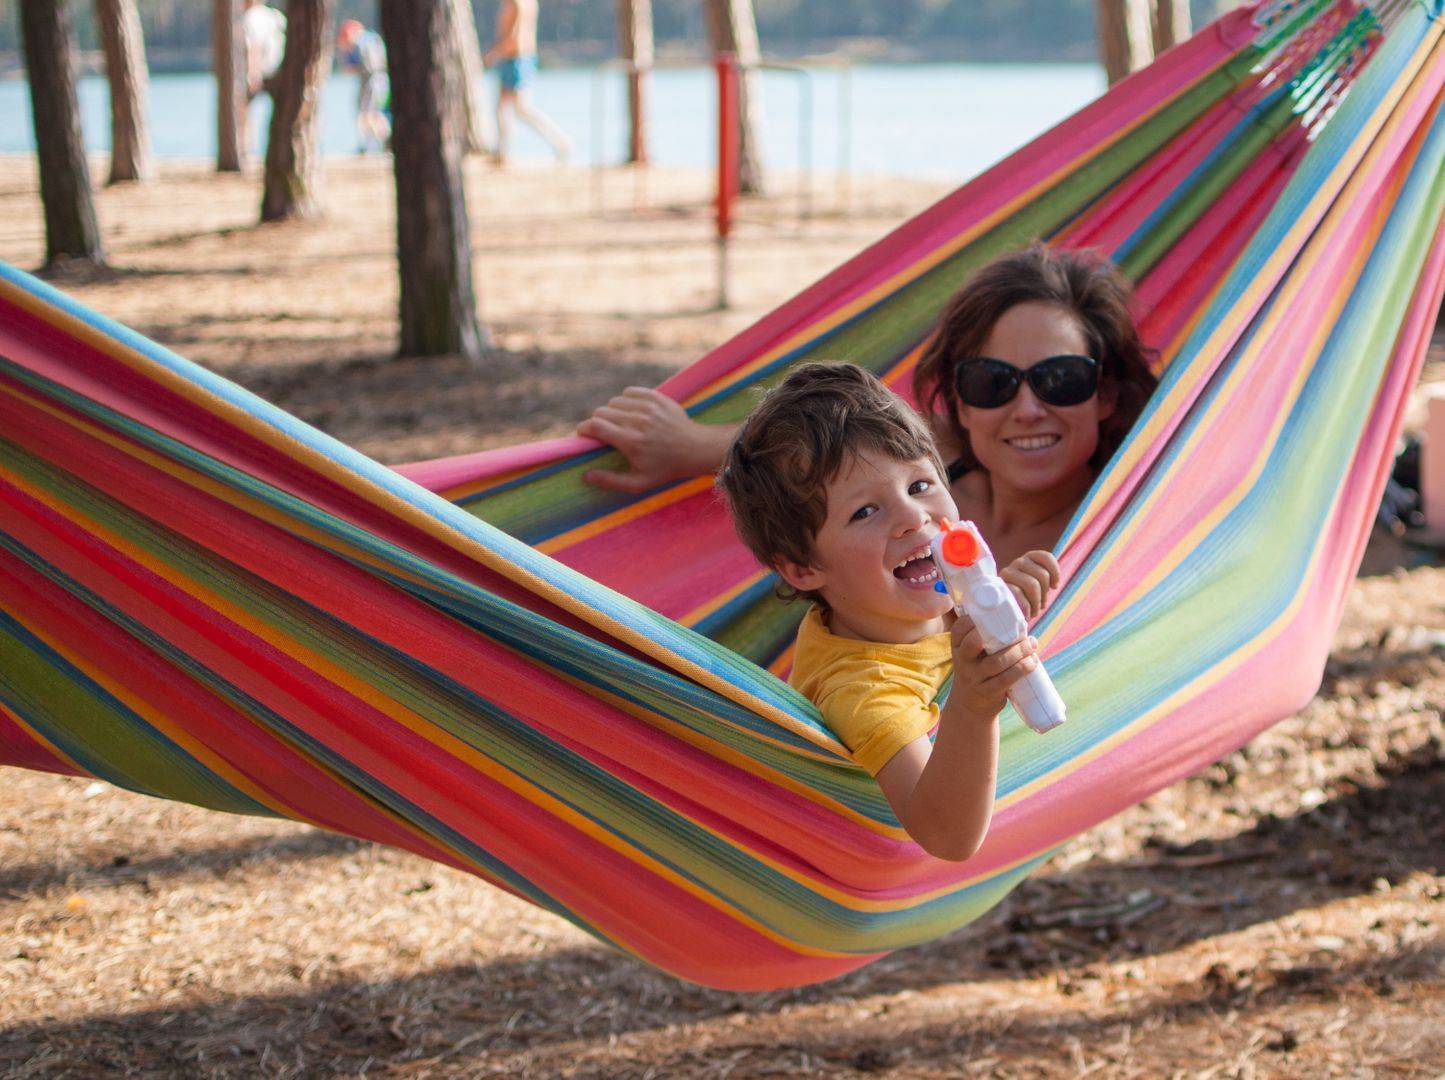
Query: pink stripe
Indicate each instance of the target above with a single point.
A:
(17, 748)
(1090, 535)
(1176, 288)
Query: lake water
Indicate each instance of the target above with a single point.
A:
(926, 120)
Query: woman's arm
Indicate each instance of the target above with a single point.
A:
(658, 439)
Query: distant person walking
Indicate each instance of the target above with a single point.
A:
(362, 52)
(514, 55)
(263, 32)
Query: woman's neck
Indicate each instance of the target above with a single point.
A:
(1014, 511)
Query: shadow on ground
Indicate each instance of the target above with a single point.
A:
(1342, 847)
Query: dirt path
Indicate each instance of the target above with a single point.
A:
(1278, 915)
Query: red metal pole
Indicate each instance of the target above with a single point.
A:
(728, 150)
(727, 140)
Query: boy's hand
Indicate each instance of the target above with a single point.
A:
(1031, 576)
(981, 682)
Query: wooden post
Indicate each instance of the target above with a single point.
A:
(635, 44)
(433, 248)
(125, 68)
(228, 59)
(293, 150)
(72, 236)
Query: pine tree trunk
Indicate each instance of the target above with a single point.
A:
(125, 67)
(1125, 36)
(228, 59)
(71, 233)
(733, 28)
(1171, 24)
(293, 145)
(635, 43)
(433, 240)
(473, 119)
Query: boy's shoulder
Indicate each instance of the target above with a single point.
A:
(824, 662)
(876, 697)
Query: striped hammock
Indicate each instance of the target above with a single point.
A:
(574, 694)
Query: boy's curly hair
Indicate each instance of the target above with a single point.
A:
(797, 440)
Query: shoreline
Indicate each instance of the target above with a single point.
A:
(856, 50)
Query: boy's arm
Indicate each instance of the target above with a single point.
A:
(943, 794)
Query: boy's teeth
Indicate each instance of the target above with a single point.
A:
(920, 553)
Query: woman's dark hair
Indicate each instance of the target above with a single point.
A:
(1081, 282)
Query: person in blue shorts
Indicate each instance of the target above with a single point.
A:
(514, 56)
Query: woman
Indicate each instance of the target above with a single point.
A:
(1031, 379)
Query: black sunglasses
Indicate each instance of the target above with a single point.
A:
(984, 383)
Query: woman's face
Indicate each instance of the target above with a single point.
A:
(1027, 444)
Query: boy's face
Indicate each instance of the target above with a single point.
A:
(871, 561)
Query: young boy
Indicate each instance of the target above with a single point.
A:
(836, 484)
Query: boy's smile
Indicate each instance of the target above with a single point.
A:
(871, 561)
(918, 569)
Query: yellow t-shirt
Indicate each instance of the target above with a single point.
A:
(875, 696)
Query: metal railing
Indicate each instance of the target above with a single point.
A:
(804, 71)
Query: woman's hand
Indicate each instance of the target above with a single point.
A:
(1031, 577)
(981, 681)
(658, 439)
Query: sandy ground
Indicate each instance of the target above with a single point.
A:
(1279, 914)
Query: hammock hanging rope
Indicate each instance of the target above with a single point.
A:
(573, 694)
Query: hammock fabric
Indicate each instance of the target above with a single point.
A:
(567, 692)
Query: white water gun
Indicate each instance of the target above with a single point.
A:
(969, 576)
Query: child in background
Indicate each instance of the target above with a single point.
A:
(837, 485)
(363, 53)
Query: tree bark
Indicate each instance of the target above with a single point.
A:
(228, 59)
(473, 120)
(1171, 24)
(72, 235)
(635, 43)
(125, 68)
(733, 28)
(293, 149)
(433, 240)
(1125, 36)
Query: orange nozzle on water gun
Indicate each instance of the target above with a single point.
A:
(959, 546)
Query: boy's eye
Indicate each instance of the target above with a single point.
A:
(863, 512)
(918, 487)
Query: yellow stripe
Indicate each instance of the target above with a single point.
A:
(619, 517)
(232, 496)
(41, 741)
(698, 614)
